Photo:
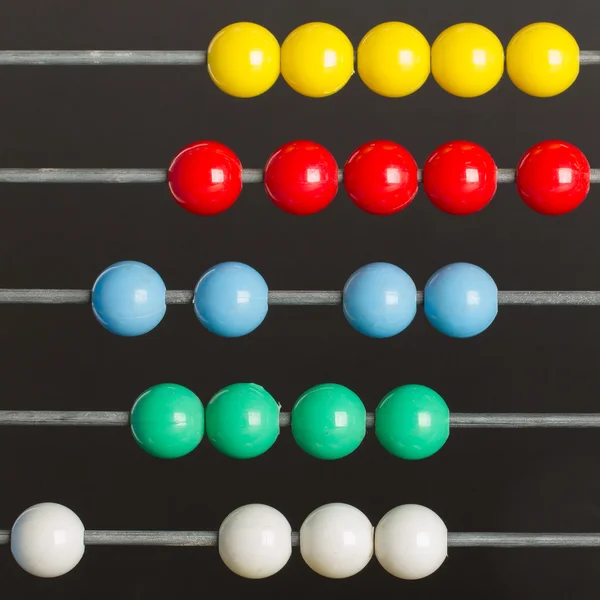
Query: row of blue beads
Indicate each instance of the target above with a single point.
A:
(231, 299)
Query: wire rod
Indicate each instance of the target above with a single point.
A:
(301, 297)
(109, 176)
(524, 420)
(64, 417)
(589, 57)
(151, 538)
(457, 420)
(144, 57)
(457, 540)
(102, 57)
(524, 540)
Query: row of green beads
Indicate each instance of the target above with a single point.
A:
(328, 421)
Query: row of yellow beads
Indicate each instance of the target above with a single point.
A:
(393, 59)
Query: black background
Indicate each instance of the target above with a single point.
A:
(531, 359)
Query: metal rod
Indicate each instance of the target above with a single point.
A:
(524, 540)
(524, 420)
(301, 297)
(64, 417)
(150, 538)
(456, 540)
(457, 420)
(143, 176)
(145, 57)
(589, 57)
(549, 298)
(102, 57)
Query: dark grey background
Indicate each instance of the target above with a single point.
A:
(531, 359)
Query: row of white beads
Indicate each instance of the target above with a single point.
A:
(255, 541)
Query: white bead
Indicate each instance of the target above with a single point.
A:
(47, 540)
(255, 541)
(411, 541)
(336, 540)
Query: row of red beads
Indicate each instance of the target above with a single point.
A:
(381, 177)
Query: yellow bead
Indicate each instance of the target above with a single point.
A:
(317, 60)
(243, 60)
(393, 59)
(542, 59)
(467, 60)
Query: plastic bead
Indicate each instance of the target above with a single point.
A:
(336, 540)
(553, 177)
(231, 299)
(167, 421)
(467, 60)
(412, 422)
(542, 60)
(381, 177)
(242, 420)
(317, 60)
(301, 177)
(243, 60)
(205, 178)
(329, 421)
(460, 178)
(461, 300)
(380, 300)
(129, 298)
(411, 542)
(47, 540)
(255, 541)
(393, 59)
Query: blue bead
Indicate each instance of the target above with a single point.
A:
(461, 300)
(380, 300)
(231, 299)
(129, 298)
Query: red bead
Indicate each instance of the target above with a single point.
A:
(381, 177)
(205, 178)
(301, 177)
(460, 178)
(553, 177)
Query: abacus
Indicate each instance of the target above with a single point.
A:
(379, 300)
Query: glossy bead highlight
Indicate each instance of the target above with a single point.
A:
(231, 299)
(381, 177)
(255, 541)
(411, 542)
(380, 300)
(467, 60)
(242, 420)
(393, 59)
(336, 540)
(329, 421)
(205, 178)
(301, 177)
(243, 60)
(129, 298)
(553, 177)
(47, 540)
(542, 59)
(412, 422)
(167, 421)
(460, 178)
(461, 300)
(317, 60)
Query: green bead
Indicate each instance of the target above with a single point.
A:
(242, 420)
(412, 422)
(167, 420)
(329, 421)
